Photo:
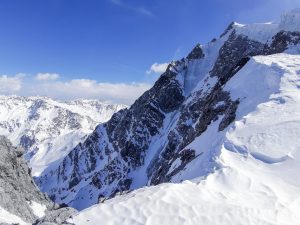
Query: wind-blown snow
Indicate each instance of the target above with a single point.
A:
(256, 180)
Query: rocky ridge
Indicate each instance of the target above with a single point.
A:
(20, 196)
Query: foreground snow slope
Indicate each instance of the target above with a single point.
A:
(48, 129)
(258, 157)
(8, 218)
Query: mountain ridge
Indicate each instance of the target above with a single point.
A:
(257, 157)
(149, 143)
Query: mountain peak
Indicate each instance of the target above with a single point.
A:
(196, 53)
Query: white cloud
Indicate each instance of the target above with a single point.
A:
(117, 2)
(72, 89)
(140, 10)
(144, 11)
(84, 88)
(46, 76)
(10, 84)
(157, 68)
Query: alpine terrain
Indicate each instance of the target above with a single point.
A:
(20, 200)
(217, 134)
(214, 141)
(48, 129)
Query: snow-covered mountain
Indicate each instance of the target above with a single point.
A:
(48, 129)
(220, 115)
(257, 161)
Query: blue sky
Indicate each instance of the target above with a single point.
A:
(114, 41)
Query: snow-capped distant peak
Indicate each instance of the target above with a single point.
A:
(263, 32)
(48, 129)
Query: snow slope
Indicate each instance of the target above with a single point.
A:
(256, 180)
(48, 129)
(8, 218)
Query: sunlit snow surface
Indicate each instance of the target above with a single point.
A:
(258, 155)
(8, 218)
(37, 208)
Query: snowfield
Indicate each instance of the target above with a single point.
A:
(256, 178)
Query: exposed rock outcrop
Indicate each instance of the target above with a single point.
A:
(18, 193)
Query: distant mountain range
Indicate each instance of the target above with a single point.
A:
(48, 129)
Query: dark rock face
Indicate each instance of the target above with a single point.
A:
(17, 187)
(282, 40)
(196, 53)
(228, 29)
(234, 54)
(156, 131)
(202, 110)
(129, 133)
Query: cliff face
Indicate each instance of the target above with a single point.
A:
(19, 195)
(153, 141)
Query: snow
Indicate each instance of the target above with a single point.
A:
(37, 208)
(261, 32)
(7, 217)
(257, 161)
(56, 127)
(197, 70)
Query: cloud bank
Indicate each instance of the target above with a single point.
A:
(10, 84)
(48, 84)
